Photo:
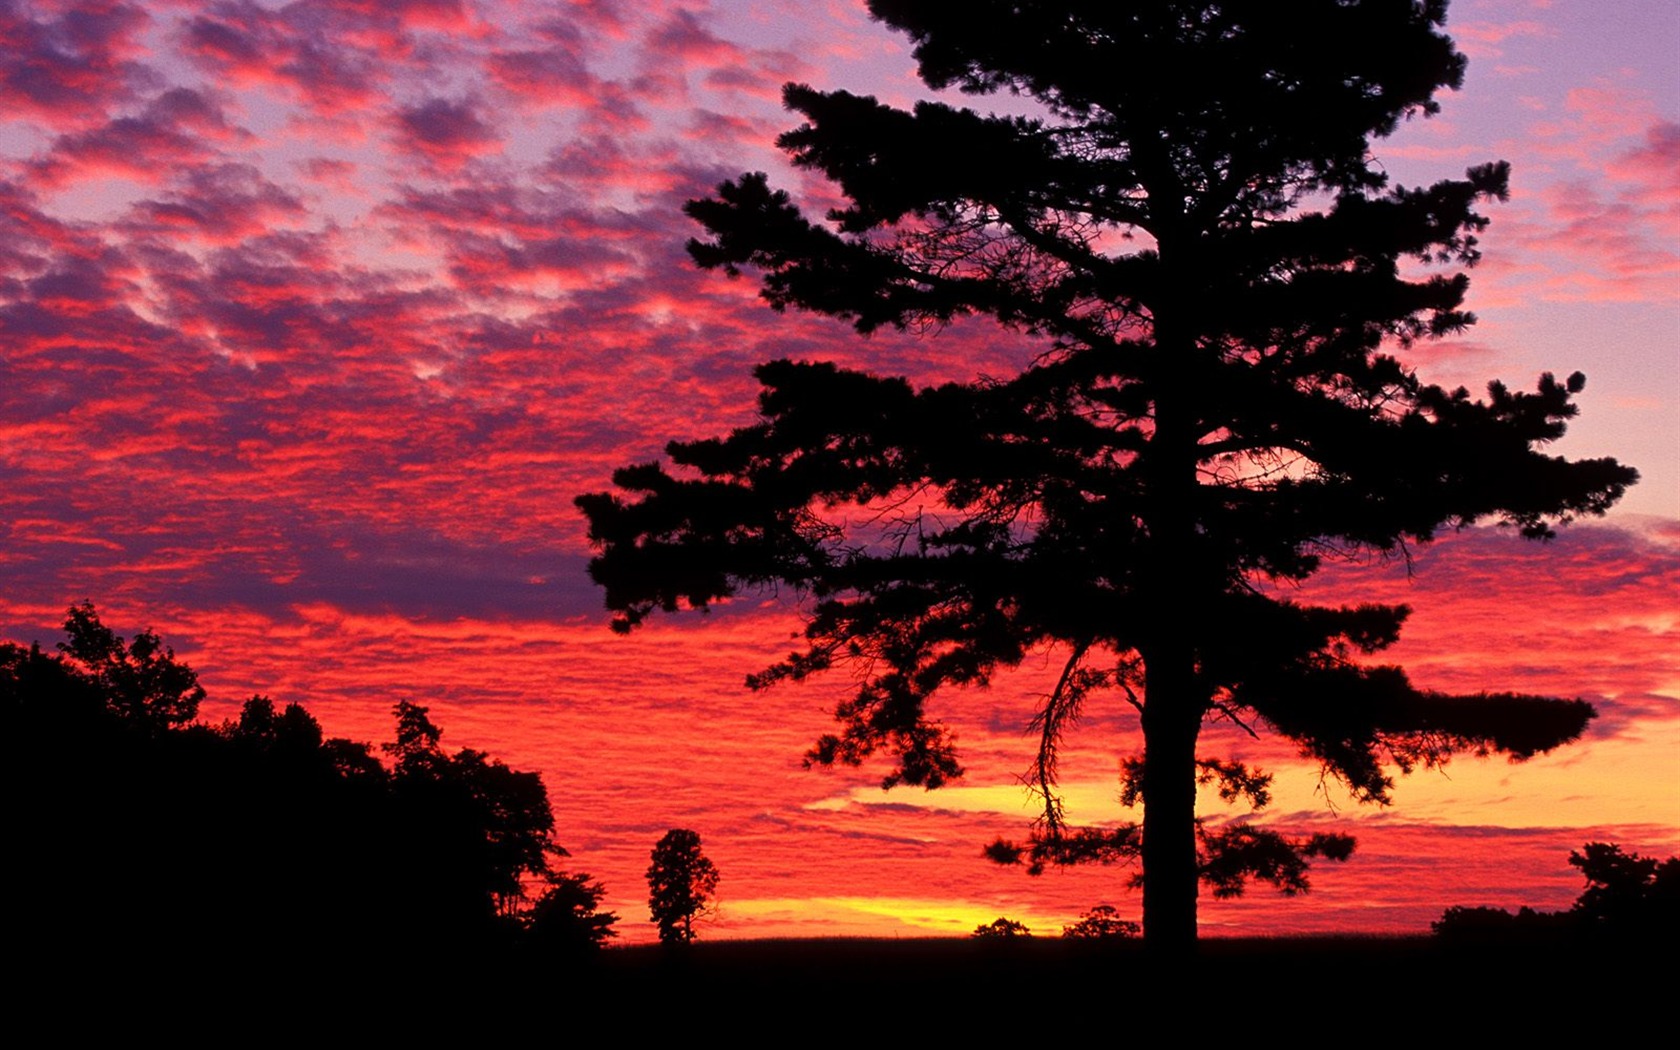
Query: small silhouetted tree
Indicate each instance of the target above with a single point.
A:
(1102, 922)
(1000, 928)
(1210, 279)
(681, 882)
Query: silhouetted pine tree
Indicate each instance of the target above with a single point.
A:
(1214, 272)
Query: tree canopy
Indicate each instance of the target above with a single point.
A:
(1219, 282)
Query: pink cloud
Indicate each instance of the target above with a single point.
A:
(335, 56)
(223, 204)
(179, 127)
(428, 14)
(31, 240)
(604, 163)
(1591, 613)
(1483, 39)
(682, 39)
(729, 131)
(1657, 160)
(765, 82)
(446, 133)
(1651, 174)
(70, 64)
(683, 45)
(1595, 117)
(1603, 227)
(331, 172)
(604, 16)
(553, 76)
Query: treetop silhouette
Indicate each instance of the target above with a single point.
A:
(1215, 278)
(141, 681)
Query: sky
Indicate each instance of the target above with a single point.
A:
(316, 316)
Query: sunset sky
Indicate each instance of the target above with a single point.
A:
(316, 316)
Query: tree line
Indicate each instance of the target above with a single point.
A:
(131, 824)
(1628, 898)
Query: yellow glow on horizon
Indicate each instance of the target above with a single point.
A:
(1632, 775)
(861, 916)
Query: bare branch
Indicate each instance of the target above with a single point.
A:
(1061, 707)
(1231, 714)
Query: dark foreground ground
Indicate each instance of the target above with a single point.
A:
(1310, 987)
(1311, 991)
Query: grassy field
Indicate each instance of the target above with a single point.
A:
(1363, 991)
(1413, 989)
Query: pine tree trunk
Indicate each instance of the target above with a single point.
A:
(1173, 705)
(1171, 722)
